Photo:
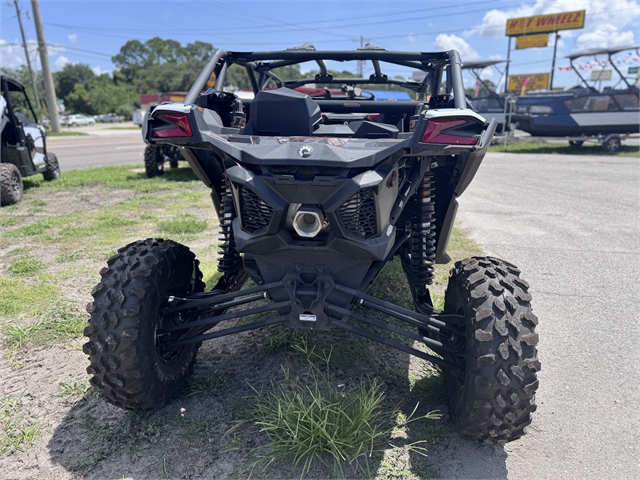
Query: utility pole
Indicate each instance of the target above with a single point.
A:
(506, 70)
(26, 53)
(49, 89)
(553, 63)
(361, 62)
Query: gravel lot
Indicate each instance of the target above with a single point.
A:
(572, 225)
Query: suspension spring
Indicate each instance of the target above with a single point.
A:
(229, 261)
(423, 242)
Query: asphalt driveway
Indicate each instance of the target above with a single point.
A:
(571, 223)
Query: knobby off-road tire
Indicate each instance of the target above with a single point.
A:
(53, 168)
(11, 188)
(153, 161)
(493, 399)
(128, 366)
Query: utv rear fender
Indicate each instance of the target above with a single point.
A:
(468, 172)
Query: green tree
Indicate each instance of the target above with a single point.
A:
(161, 65)
(72, 74)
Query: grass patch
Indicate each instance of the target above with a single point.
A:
(8, 221)
(121, 177)
(183, 224)
(213, 384)
(192, 428)
(64, 323)
(309, 420)
(14, 431)
(66, 133)
(565, 149)
(75, 388)
(24, 295)
(25, 265)
(33, 229)
(279, 343)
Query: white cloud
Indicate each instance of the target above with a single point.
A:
(605, 35)
(449, 42)
(604, 24)
(487, 73)
(72, 37)
(98, 71)
(60, 62)
(12, 53)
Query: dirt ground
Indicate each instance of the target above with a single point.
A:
(44, 388)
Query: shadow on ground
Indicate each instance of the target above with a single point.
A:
(194, 436)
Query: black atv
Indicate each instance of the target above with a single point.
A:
(315, 196)
(23, 149)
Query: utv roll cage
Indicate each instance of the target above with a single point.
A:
(260, 66)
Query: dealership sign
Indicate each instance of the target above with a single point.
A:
(532, 41)
(531, 81)
(545, 23)
(601, 75)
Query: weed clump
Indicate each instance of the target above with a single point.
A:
(311, 418)
(15, 432)
(25, 265)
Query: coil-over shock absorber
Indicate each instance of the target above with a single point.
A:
(229, 261)
(423, 248)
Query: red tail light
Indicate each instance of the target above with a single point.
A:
(182, 127)
(434, 132)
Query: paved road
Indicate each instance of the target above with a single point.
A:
(572, 225)
(100, 148)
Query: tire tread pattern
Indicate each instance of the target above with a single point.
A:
(124, 360)
(153, 161)
(52, 171)
(7, 194)
(495, 402)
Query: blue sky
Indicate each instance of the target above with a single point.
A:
(92, 32)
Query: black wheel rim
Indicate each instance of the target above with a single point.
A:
(459, 342)
(168, 356)
(15, 184)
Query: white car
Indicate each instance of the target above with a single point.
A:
(77, 120)
(139, 116)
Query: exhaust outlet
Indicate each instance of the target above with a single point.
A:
(308, 221)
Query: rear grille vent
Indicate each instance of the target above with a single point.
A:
(255, 213)
(358, 214)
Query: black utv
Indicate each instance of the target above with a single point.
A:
(23, 149)
(315, 195)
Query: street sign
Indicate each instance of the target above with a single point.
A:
(545, 23)
(537, 81)
(632, 70)
(601, 75)
(532, 41)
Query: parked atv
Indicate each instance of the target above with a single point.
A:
(155, 156)
(315, 196)
(23, 150)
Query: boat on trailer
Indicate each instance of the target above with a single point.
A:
(486, 101)
(583, 112)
